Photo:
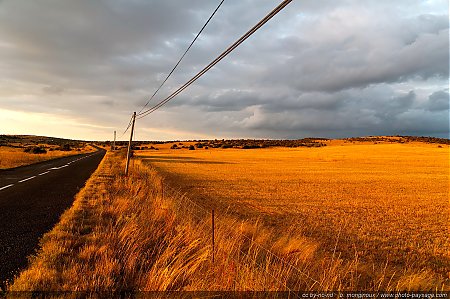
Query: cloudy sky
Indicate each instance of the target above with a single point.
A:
(78, 69)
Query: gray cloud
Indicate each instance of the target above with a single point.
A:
(438, 101)
(52, 89)
(323, 68)
(359, 58)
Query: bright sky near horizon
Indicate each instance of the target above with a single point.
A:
(78, 69)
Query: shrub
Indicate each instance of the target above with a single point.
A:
(65, 147)
(191, 147)
(250, 146)
(35, 150)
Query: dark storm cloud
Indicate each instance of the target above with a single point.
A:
(229, 100)
(359, 57)
(438, 101)
(329, 68)
(81, 40)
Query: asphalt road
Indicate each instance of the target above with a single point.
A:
(32, 198)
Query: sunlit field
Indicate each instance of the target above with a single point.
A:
(134, 233)
(346, 216)
(385, 206)
(13, 157)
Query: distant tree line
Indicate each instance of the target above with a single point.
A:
(399, 139)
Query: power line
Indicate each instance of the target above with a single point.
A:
(219, 58)
(181, 58)
(129, 125)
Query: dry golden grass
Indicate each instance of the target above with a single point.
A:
(384, 205)
(133, 233)
(325, 226)
(11, 157)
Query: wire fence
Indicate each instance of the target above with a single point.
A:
(279, 273)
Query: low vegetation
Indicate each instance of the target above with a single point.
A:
(351, 217)
(23, 150)
(269, 143)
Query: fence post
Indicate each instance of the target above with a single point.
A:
(212, 233)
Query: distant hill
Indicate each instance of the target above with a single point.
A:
(25, 140)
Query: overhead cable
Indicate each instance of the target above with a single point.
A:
(181, 58)
(129, 125)
(215, 61)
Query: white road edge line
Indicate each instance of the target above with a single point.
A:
(55, 168)
(7, 186)
(27, 179)
(44, 173)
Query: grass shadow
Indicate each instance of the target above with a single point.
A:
(170, 159)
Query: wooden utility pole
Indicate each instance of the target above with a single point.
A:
(129, 144)
(114, 142)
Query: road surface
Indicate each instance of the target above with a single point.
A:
(32, 198)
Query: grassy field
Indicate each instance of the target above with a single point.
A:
(136, 234)
(15, 156)
(382, 205)
(346, 216)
